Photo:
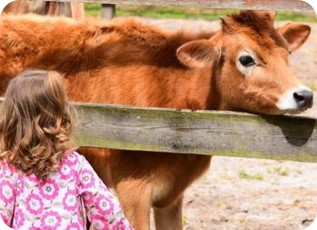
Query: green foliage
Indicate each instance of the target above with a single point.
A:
(296, 16)
(171, 12)
(245, 175)
(185, 220)
(281, 170)
(94, 9)
(220, 205)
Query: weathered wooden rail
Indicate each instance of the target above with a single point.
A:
(200, 132)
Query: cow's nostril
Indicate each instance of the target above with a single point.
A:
(304, 98)
(299, 97)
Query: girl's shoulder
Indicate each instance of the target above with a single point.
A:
(7, 171)
(72, 158)
(6, 167)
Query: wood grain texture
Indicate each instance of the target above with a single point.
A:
(285, 5)
(199, 132)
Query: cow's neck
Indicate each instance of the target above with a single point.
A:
(195, 90)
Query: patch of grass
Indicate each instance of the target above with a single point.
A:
(94, 9)
(296, 16)
(244, 221)
(171, 12)
(299, 172)
(282, 171)
(245, 175)
(220, 205)
(185, 220)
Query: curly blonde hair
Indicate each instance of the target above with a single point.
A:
(35, 122)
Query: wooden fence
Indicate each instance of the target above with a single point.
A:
(201, 132)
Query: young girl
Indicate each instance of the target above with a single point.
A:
(44, 184)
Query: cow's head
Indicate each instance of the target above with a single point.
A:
(249, 62)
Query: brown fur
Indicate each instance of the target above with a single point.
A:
(125, 62)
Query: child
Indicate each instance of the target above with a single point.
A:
(44, 184)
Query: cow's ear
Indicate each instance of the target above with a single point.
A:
(295, 34)
(196, 54)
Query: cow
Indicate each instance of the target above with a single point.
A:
(70, 9)
(241, 67)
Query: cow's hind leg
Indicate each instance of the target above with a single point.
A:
(170, 217)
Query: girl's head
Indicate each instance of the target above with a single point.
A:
(35, 122)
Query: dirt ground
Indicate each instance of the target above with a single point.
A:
(242, 194)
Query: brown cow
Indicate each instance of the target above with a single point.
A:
(242, 67)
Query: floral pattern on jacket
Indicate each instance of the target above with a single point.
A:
(61, 201)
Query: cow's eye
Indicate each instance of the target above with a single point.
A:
(246, 60)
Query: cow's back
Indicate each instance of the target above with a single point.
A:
(135, 64)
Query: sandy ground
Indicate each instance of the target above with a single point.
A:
(242, 194)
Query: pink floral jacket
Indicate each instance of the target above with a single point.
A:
(59, 202)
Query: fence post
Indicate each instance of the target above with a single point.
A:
(108, 11)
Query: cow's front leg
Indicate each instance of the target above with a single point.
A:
(135, 198)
